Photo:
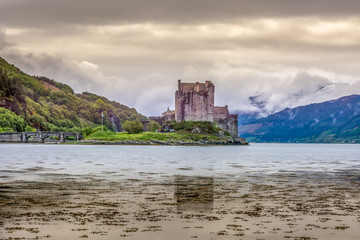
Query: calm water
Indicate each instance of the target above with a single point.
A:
(262, 191)
(36, 162)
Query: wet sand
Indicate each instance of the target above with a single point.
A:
(282, 205)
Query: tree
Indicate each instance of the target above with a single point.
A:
(37, 121)
(9, 120)
(153, 126)
(100, 105)
(133, 126)
(30, 129)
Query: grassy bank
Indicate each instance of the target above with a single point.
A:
(147, 136)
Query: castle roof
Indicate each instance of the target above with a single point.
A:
(221, 110)
(168, 113)
(186, 87)
(191, 86)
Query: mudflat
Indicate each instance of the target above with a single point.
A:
(278, 205)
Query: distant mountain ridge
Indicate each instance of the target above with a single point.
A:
(331, 121)
(44, 104)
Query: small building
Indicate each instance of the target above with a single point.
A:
(195, 102)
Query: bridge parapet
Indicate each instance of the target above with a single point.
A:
(39, 136)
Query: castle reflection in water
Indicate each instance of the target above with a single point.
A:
(194, 193)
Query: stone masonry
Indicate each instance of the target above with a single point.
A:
(195, 102)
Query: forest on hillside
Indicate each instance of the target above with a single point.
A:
(38, 103)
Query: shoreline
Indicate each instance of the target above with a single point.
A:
(233, 141)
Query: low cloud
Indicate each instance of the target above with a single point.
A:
(271, 88)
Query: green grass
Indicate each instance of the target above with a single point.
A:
(147, 136)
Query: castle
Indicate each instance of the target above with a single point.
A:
(195, 102)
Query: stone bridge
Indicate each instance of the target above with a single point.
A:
(40, 137)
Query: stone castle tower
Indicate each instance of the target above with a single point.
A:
(195, 102)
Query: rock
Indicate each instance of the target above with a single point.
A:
(160, 142)
(221, 134)
(196, 130)
(240, 140)
(115, 120)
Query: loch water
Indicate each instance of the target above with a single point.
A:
(39, 161)
(260, 191)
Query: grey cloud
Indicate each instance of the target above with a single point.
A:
(2, 40)
(34, 13)
(136, 47)
(3, 43)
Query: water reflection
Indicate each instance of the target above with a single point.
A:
(194, 193)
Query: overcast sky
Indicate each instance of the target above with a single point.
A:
(262, 55)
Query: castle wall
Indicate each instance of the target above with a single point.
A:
(229, 124)
(196, 103)
(221, 112)
(197, 107)
(159, 120)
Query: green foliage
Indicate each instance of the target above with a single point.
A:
(87, 131)
(196, 126)
(153, 126)
(122, 111)
(148, 136)
(30, 129)
(100, 105)
(38, 122)
(6, 130)
(133, 126)
(102, 134)
(45, 104)
(10, 87)
(9, 120)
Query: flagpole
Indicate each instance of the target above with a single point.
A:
(102, 121)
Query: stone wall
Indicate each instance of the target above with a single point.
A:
(39, 136)
(195, 102)
(229, 124)
(11, 137)
(159, 120)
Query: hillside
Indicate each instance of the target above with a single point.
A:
(47, 105)
(332, 121)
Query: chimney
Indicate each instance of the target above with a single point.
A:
(197, 87)
(179, 84)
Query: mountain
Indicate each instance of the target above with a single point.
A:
(332, 121)
(43, 104)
